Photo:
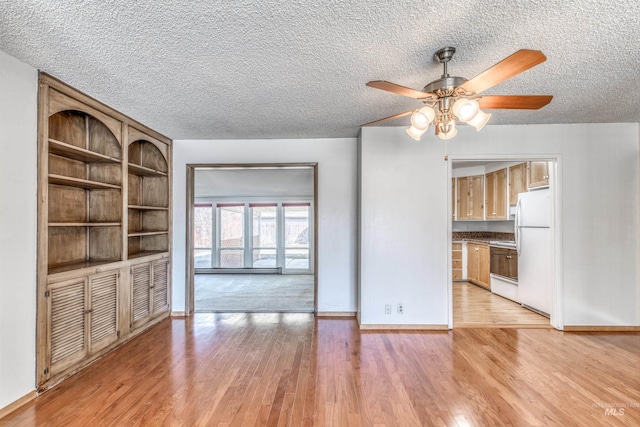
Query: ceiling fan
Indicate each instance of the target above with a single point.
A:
(453, 98)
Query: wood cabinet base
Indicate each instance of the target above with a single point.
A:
(58, 378)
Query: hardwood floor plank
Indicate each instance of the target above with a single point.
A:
(475, 307)
(295, 370)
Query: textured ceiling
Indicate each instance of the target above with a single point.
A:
(275, 69)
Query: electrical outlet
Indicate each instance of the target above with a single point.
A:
(400, 309)
(387, 309)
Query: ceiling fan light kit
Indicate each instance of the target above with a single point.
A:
(452, 98)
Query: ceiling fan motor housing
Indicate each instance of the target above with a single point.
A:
(444, 84)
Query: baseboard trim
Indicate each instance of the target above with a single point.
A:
(373, 327)
(593, 328)
(18, 404)
(336, 314)
(276, 270)
(499, 326)
(178, 314)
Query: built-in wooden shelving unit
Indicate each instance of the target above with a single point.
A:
(104, 219)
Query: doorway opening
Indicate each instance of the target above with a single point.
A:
(503, 241)
(252, 238)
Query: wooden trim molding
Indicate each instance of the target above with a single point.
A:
(374, 327)
(65, 89)
(594, 328)
(179, 314)
(502, 326)
(17, 404)
(336, 314)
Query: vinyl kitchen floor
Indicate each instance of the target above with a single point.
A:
(477, 307)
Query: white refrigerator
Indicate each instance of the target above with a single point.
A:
(533, 242)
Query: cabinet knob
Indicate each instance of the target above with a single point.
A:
(546, 177)
(475, 249)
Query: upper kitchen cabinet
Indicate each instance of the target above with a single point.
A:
(517, 182)
(538, 174)
(470, 198)
(496, 194)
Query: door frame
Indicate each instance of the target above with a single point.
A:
(555, 188)
(190, 194)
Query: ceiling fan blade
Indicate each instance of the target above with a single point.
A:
(400, 90)
(515, 102)
(513, 65)
(397, 116)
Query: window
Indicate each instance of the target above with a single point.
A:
(203, 235)
(231, 236)
(264, 235)
(296, 235)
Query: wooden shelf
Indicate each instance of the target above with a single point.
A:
(84, 224)
(147, 233)
(145, 253)
(77, 153)
(81, 183)
(76, 265)
(147, 208)
(144, 171)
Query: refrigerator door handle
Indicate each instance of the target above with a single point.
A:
(517, 228)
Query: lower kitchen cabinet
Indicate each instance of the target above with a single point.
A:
(456, 261)
(478, 263)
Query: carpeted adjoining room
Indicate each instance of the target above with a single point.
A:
(254, 293)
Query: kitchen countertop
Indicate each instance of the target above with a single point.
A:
(482, 235)
(484, 238)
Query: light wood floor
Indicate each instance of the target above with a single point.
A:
(291, 369)
(477, 307)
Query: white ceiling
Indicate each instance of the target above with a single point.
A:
(272, 69)
(277, 183)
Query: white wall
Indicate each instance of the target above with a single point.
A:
(337, 205)
(18, 201)
(404, 217)
(403, 229)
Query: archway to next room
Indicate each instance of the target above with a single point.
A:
(504, 238)
(251, 238)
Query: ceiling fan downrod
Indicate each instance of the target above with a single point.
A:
(446, 84)
(443, 56)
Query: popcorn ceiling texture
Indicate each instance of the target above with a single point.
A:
(297, 69)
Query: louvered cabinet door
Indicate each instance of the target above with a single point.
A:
(103, 310)
(160, 286)
(141, 294)
(67, 324)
